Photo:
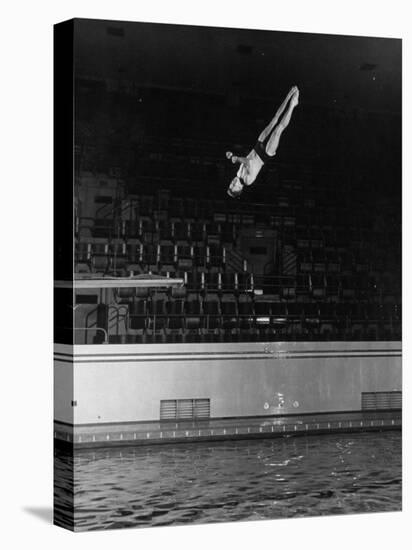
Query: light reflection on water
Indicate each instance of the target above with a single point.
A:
(232, 481)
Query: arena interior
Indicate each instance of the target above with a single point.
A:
(311, 251)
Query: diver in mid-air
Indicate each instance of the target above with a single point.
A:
(265, 148)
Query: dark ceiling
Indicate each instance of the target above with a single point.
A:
(342, 71)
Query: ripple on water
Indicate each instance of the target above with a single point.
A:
(232, 481)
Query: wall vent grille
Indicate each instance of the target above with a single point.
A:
(381, 400)
(184, 409)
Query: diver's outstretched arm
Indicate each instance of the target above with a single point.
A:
(235, 159)
(279, 112)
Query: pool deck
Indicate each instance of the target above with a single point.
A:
(150, 433)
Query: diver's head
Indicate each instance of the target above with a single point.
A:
(235, 187)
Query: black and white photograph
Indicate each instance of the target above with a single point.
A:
(228, 274)
(205, 274)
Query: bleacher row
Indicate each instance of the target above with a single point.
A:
(100, 253)
(191, 318)
(187, 231)
(190, 233)
(320, 274)
(307, 226)
(136, 257)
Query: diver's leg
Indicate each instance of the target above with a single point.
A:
(279, 112)
(273, 141)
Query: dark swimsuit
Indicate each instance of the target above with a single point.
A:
(260, 150)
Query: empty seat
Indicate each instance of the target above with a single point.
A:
(302, 237)
(332, 261)
(332, 283)
(356, 331)
(302, 284)
(317, 280)
(215, 256)
(167, 254)
(199, 256)
(343, 310)
(175, 208)
(100, 260)
(194, 319)
(365, 286)
(147, 226)
(184, 252)
(295, 309)
(165, 231)
(373, 312)
(185, 263)
(268, 284)
(263, 308)
(212, 322)
(311, 310)
(318, 285)
(205, 209)
(83, 252)
(176, 323)
(156, 327)
(246, 323)
(178, 292)
(180, 231)
(212, 281)
(193, 307)
(133, 229)
(386, 311)
(279, 310)
(230, 322)
(211, 307)
(348, 286)
(243, 281)
(138, 322)
(397, 312)
(138, 306)
(305, 261)
(190, 208)
(319, 260)
(82, 268)
(149, 254)
(118, 256)
(196, 232)
(346, 262)
(245, 308)
(316, 238)
(228, 308)
(193, 323)
(157, 307)
(133, 252)
(212, 231)
(175, 307)
(146, 205)
(193, 280)
(103, 227)
(228, 281)
(341, 240)
(137, 314)
(327, 311)
(228, 232)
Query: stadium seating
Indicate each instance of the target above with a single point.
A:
(330, 273)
